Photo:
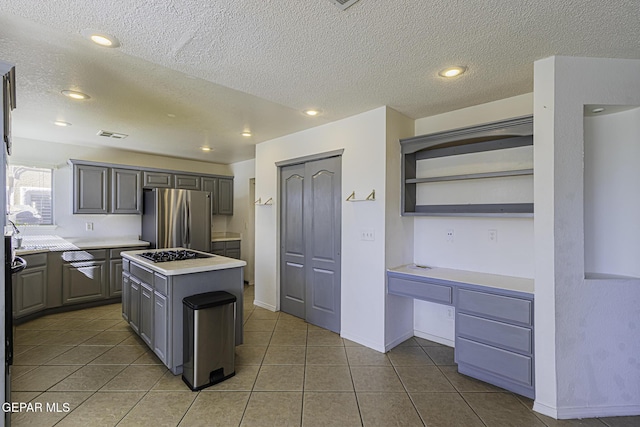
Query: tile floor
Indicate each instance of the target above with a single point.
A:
(288, 373)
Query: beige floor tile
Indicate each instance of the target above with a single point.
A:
(120, 326)
(250, 354)
(89, 378)
(148, 357)
(427, 343)
(261, 313)
(24, 396)
(39, 355)
(243, 380)
(219, 409)
(327, 378)
(387, 409)
(112, 315)
(159, 408)
(69, 337)
(256, 338)
(42, 378)
(501, 410)
(445, 410)
(424, 379)
(330, 410)
(19, 349)
(326, 356)
(586, 422)
(17, 371)
(291, 324)
(349, 343)
(98, 324)
(80, 355)
(323, 337)
(282, 409)
(440, 355)
(363, 356)
(622, 421)
(134, 340)
(464, 383)
(411, 342)
(409, 356)
(289, 337)
(108, 338)
(35, 337)
(102, 409)
(170, 382)
(55, 406)
(136, 378)
(120, 355)
(43, 323)
(375, 378)
(285, 355)
(280, 378)
(259, 325)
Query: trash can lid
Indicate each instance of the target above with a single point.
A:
(208, 300)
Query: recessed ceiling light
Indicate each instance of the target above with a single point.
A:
(246, 133)
(75, 94)
(597, 110)
(61, 123)
(452, 72)
(102, 39)
(171, 115)
(206, 148)
(312, 112)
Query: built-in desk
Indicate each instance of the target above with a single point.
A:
(494, 320)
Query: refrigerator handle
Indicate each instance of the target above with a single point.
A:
(187, 225)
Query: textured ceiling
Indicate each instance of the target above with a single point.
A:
(221, 66)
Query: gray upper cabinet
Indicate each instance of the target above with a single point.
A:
(187, 182)
(157, 179)
(225, 196)
(126, 191)
(211, 184)
(90, 189)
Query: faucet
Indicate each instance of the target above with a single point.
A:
(18, 239)
(13, 224)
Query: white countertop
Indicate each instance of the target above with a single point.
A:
(175, 268)
(52, 243)
(225, 236)
(518, 284)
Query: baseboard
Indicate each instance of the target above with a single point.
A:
(434, 338)
(362, 341)
(587, 411)
(264, 305)
(398, 341)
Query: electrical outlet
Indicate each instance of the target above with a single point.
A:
(369, 235)
(493, 235)
(89, 226)
(450, 235)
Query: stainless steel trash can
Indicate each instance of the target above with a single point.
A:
(209, 339)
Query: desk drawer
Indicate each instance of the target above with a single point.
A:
(499, 307)
(421, 290)
(513, 366)
(496, 333)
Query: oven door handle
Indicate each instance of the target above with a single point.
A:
(18, 265)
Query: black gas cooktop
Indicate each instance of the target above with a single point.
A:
(179, 255)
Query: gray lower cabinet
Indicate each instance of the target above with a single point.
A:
(160, 326)
(126, 296)
(126, 191)
(30, 286)
(146, 312)
(134, 304)
(229, 248)
(157, 179)
(90, 189)
(115, 277)
(84, 276)
(494, 338)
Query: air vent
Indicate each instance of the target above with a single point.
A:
(344, 4)
(113, 135)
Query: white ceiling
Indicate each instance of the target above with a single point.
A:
(221, 67)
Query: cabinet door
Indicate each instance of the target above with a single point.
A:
(126, 296)
(187, 182)
(126, 191)
(146, 313)
(30, 291)
(115, 277)
(90, 189)
(232, 253)
(134, 304)
(84, 281)
(211, 185)
(157, 179)
(160, 327)
(225, 196)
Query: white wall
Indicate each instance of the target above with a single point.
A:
(48, 154)
(586, 330)
(512, 253)
(239, 222)
(363, 139)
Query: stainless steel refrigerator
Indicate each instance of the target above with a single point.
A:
(174, 218)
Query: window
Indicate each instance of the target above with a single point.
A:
(29, 190)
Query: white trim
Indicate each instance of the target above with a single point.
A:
(264, 305)
(434, 338)
(398, 341)
(545, 410)
(360, 340)
(586, 411)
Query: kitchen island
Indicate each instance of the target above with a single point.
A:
(153, 292)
